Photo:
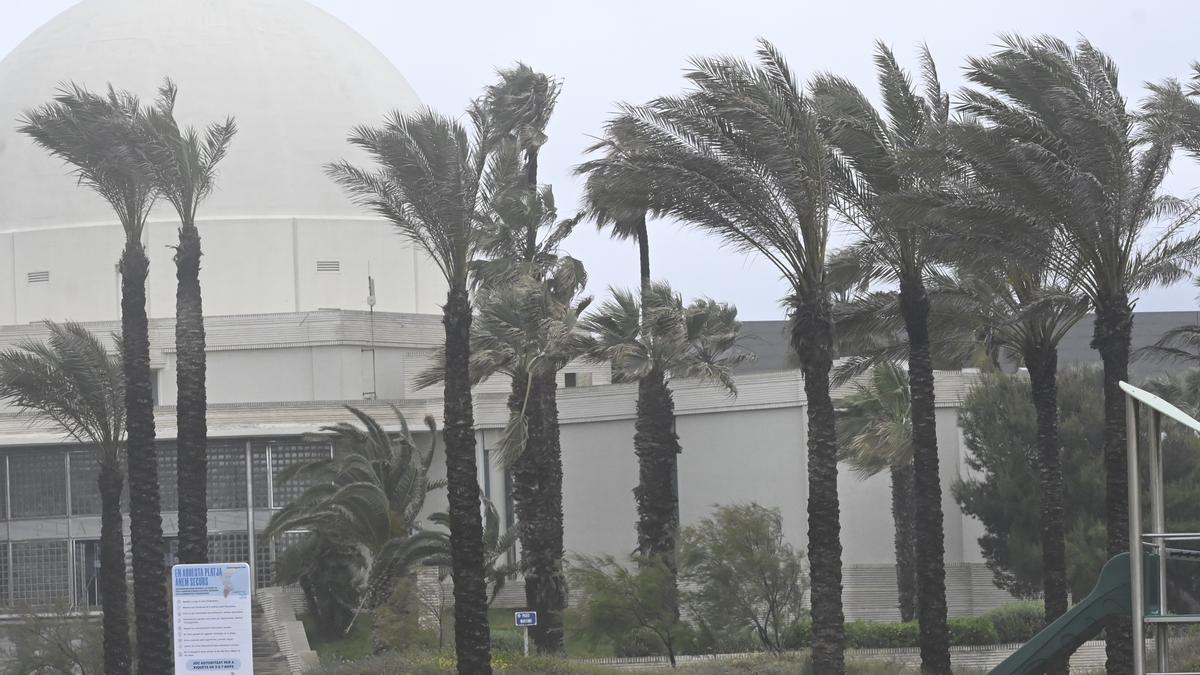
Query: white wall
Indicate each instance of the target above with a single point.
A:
(250, 266)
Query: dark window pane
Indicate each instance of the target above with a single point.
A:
(87, 571)
(39, 483)
(85, 491)
(284, 455)
(40, 575)
(168, 481)
(226, 475)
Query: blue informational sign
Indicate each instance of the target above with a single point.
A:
(212, 619)
(526, 618)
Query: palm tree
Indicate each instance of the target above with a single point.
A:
(888, 161)
(181, 164)
(741, 156)
(875, 425)
(496, 544)
(610, 199)
(1096, 171)
(72, 381)
(91, 132)
(526, 330)
(370, 493)
(432, 183)
(699, 340)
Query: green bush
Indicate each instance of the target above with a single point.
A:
(1018, 621)
(865, 635)
(798, 636)
(973, 631)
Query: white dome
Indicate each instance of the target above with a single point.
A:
(295, 78)
(278, 234)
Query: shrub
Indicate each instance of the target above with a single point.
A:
(798, 636)
(618, 601)
(747, 578)
(973, 631)
(1018, 621)
(865, 635)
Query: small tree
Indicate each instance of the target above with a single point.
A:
(745, 574)
(330, 569)
(619, 600)
(53, 642)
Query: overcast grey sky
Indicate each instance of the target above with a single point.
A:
(625, 50)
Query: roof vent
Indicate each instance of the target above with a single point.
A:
(42, 277)
(329, 266)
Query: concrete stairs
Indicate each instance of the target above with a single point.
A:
(268, 659)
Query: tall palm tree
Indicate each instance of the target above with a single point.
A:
(370, 493)
(432, 182)
(698, 340)
(181, 164)
(526, 330)
(875, 425)
(741, 156)
(522, 249)
(1097, 170)
(74, 382)
(610, 199)
(888, 161)
(92, 132)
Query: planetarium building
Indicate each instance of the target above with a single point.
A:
(292, 337)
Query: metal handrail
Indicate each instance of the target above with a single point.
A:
(1172, 536)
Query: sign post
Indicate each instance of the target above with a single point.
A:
(212, 619)
(525, 620)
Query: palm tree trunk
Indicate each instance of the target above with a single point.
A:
(471, 632)
(812, 339)
(537, 499)
(657, 448)
(931, 546)
(903, 513)
(1042, 363)
(114, 589)
(1111, 337)
(145, 511)
(191, 408)
(643, 240)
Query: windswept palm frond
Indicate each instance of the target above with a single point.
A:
(700, 340)
(71, 380)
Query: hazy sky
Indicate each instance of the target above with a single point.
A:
(621, 50)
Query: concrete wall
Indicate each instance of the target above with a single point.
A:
(250, 266)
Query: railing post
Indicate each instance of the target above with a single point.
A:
(1159, 524)
(1136, 600)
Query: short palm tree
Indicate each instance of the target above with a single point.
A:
(74, 382)
(432, 183)
(181, 164)
(741, 156)
(1096, 170)
(699, 340)
(370, 493)
(92, 133)
(888, 162)
(875, 425)
(496, 544)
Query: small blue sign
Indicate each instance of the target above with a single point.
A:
(526, 618)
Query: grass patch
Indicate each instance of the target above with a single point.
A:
(353, 646)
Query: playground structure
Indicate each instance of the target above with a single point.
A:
(1131, 584)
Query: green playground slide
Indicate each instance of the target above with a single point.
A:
(1109, 598)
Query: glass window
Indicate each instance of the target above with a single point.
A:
(40, 574)
(168, 476)
(87, 572)
(284, 455)
(226, 475)
(85, 491)
(39, 483)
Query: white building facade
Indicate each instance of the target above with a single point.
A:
(290, 337)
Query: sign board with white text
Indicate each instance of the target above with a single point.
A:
(212, 619)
